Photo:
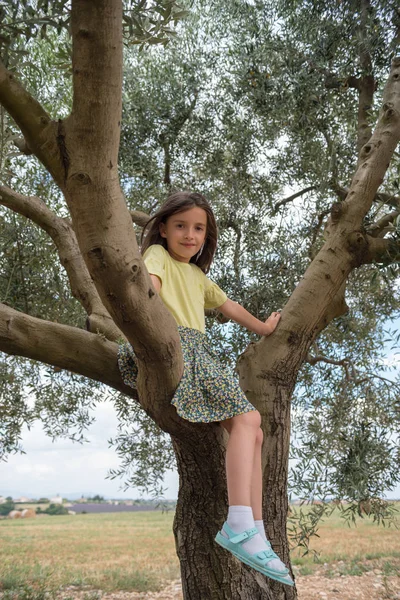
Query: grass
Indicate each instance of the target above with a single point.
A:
(136, 552)
(114, 551)
(344, 550)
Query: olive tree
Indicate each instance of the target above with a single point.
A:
(97, 244)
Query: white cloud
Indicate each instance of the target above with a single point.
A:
(66, 467)
(36, 470)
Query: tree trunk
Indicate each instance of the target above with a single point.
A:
(208, 571)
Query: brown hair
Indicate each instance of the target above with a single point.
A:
(176, 203)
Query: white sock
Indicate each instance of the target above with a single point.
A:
(261, 529)
(275, 564)
(239, 519)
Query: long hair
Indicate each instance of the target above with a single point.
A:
(176, 203)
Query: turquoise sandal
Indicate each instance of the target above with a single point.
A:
(259, 560)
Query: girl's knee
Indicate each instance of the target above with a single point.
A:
(256, 418)
(249, 419)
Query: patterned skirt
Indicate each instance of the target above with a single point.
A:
(207, 391)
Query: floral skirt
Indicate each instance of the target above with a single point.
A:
(207, 391)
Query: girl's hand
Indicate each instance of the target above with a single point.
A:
(233, 310)
(271, 323)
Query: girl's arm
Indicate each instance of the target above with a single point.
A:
(235, 311)
(156, 281)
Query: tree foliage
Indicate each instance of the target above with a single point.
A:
(7, 506)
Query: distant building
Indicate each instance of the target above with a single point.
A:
(56, 500)
(22, 499)
(2, 500)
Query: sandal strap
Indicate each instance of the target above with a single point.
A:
(267, 554)
(245, 535)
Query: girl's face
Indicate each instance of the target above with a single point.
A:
(185, 233)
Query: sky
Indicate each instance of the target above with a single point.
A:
(67, 468)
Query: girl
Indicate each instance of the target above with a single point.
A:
(178, 250)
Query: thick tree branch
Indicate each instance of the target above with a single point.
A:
(39, 131)
(62, 346)
(370, 249)
(95, 121)
(319, 296)
(376, 155)
(333, 166)
(63, 236)
(315, 232)
(366, 86)
(22, 146)
(339, 190)
(380, 197)
(337, 306)
(101, 220)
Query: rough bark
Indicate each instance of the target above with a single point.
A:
(81, 154)
(367, 82)
(62, 346)
(91, 186)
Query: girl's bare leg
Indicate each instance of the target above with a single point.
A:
(240, 455)
(244, 478)
(256, 480)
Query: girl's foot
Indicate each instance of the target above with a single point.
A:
(240, 518)
(263, 560)
(275, 564)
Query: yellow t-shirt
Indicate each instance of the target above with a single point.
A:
(186, 291)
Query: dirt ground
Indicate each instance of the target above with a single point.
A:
(373, 585)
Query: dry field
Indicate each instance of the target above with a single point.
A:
(132, 555)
